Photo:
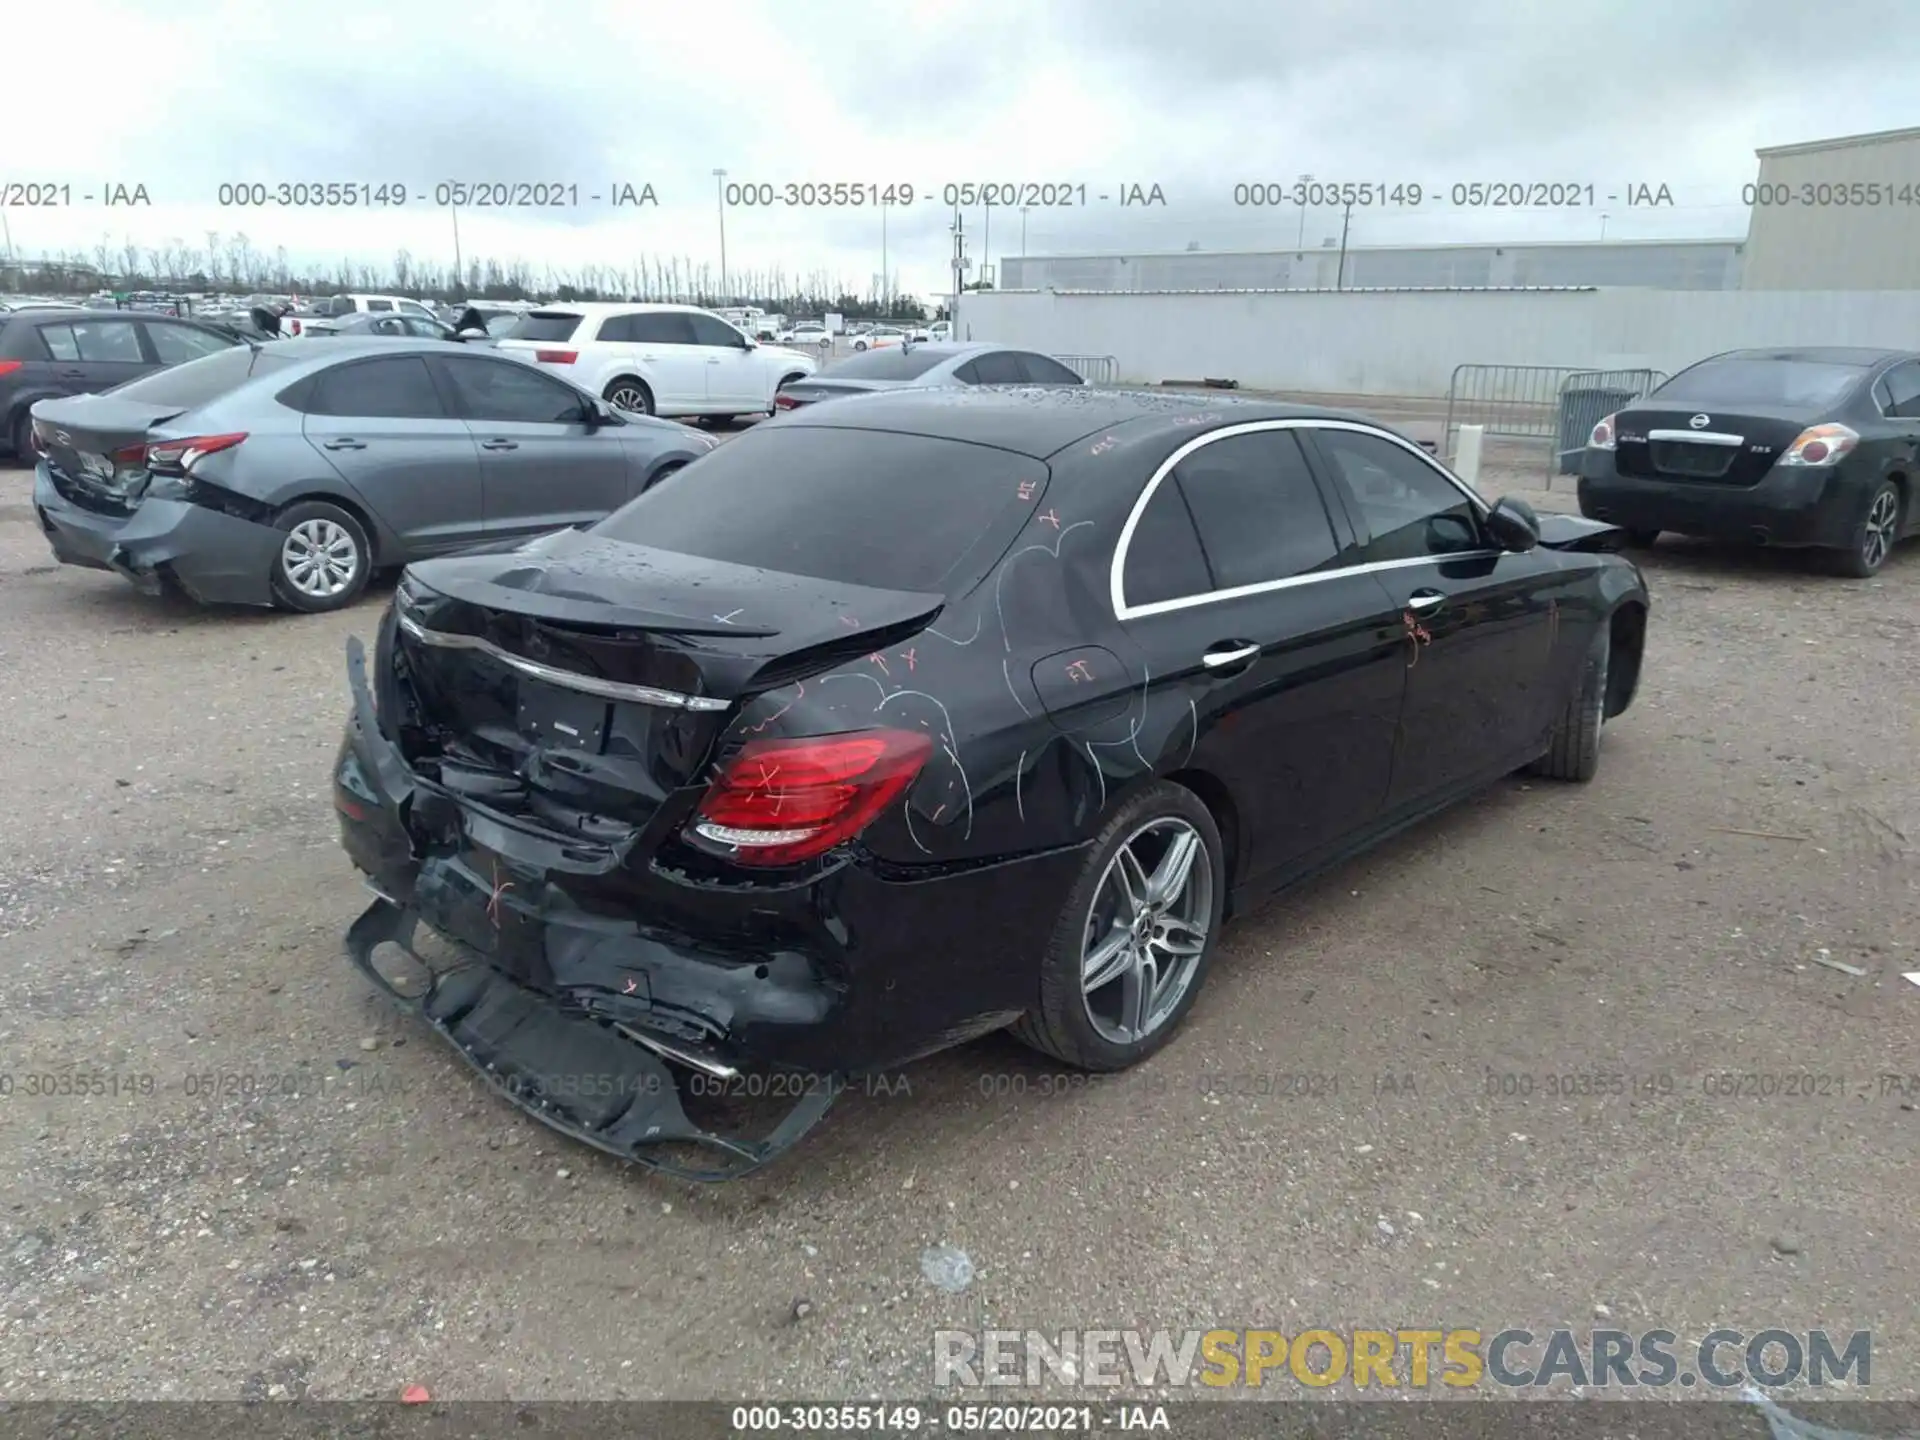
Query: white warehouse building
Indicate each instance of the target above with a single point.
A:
(1837, 215)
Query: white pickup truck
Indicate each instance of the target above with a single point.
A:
(336, 306)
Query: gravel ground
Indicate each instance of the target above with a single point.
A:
(297, 1194)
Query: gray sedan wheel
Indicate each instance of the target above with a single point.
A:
(324, 560)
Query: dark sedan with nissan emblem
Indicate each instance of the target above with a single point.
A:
(1813, 448)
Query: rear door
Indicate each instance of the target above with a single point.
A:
(735, 375)
(1490, 640)
(1238, 590)
(1898, 395)
(1043, 370)
(664, 348)
(998, 367)
(541, 466)
(382, 424)
(89, 355)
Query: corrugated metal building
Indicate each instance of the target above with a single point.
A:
(1648, 264)
(1817, 224)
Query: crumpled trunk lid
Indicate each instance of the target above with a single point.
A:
(578, 683)
(82, 436)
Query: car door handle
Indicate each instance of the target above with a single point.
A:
(1230, 652)
(1425, 602)
(499, 444)
(344, 445)
(73, 374)
(713, 360)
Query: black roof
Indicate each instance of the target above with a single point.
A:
(1038, 421)
(1862, 355)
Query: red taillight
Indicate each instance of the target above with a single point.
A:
(556, 357)
(131, 457)
(781, 801)
(1814, 451)
(7, 367)
(1602, 436)
(295, 324)
(785, 402)
(180, 456)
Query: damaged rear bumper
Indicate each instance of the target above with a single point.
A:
(568, 1071)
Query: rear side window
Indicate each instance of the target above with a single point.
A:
(999, 367)
(1257, 508)
(888, 364)
(94, 340)
(1732, 383)
(896, 512)
(1164, 559)
(1903, 390)
(506, 390)
(709, 331)
(199, 381)
(661, 328)
(379, 305)
(544, 326)
(398, 388)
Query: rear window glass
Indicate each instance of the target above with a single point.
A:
(1761, 382)
(887, 365)
(896, 512)
(544, 325)
(199, 381)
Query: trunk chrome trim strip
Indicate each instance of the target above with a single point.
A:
(689, 1058)
(1699, 437)
(568, 679)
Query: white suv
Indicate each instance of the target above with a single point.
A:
(657, 359)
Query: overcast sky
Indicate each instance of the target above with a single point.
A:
(182, 96)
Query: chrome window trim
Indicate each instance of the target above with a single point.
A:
(1704, 437)
(606, 689)
(1885, 382)
(1115, 585)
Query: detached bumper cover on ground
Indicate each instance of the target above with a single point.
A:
(568, 1069)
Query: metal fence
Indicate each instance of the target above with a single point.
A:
(1094, 369)
(1545, 403)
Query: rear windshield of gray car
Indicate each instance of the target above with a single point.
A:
(885, 365)
(1732, 383)
(895, 512)
(198, 381)
(544, 325)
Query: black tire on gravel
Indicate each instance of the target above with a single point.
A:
(1867, 550)
(1575, 751)
(1059, 1025)
(1642, 539)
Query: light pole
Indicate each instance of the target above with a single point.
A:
(1340, 275)
(884, 286)
(1023, 230)
(459, 275)
(1603, 225)
(720, 197)
(986, 242)
(1301, 242)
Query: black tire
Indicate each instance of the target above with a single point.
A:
(21, 437)
(1643, 539)
(1575, 751)
(1062, 1024)
(859, 345)
(721, 419)
(628, 386)
(662, 473)
(320, 522)
(1875, 534)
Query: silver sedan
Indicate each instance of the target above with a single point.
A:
(898, 367)
(287, 473)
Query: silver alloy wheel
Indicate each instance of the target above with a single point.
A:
(1146, 930)
(1882, 516)
(320, 558)
(628, 397)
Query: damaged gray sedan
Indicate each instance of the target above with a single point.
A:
(285, 474)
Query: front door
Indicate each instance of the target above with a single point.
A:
(1489, 659)
(734, 371)
(542, 467)
(1239, 591)
(660, 345)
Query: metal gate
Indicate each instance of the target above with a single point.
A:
(1539, 402)
(1094, 369)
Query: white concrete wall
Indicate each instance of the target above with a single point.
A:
(1407, 342)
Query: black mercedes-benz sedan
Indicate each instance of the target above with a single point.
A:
(922, 714)
(1811, 448)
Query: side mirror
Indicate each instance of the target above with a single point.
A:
(1513, 524)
